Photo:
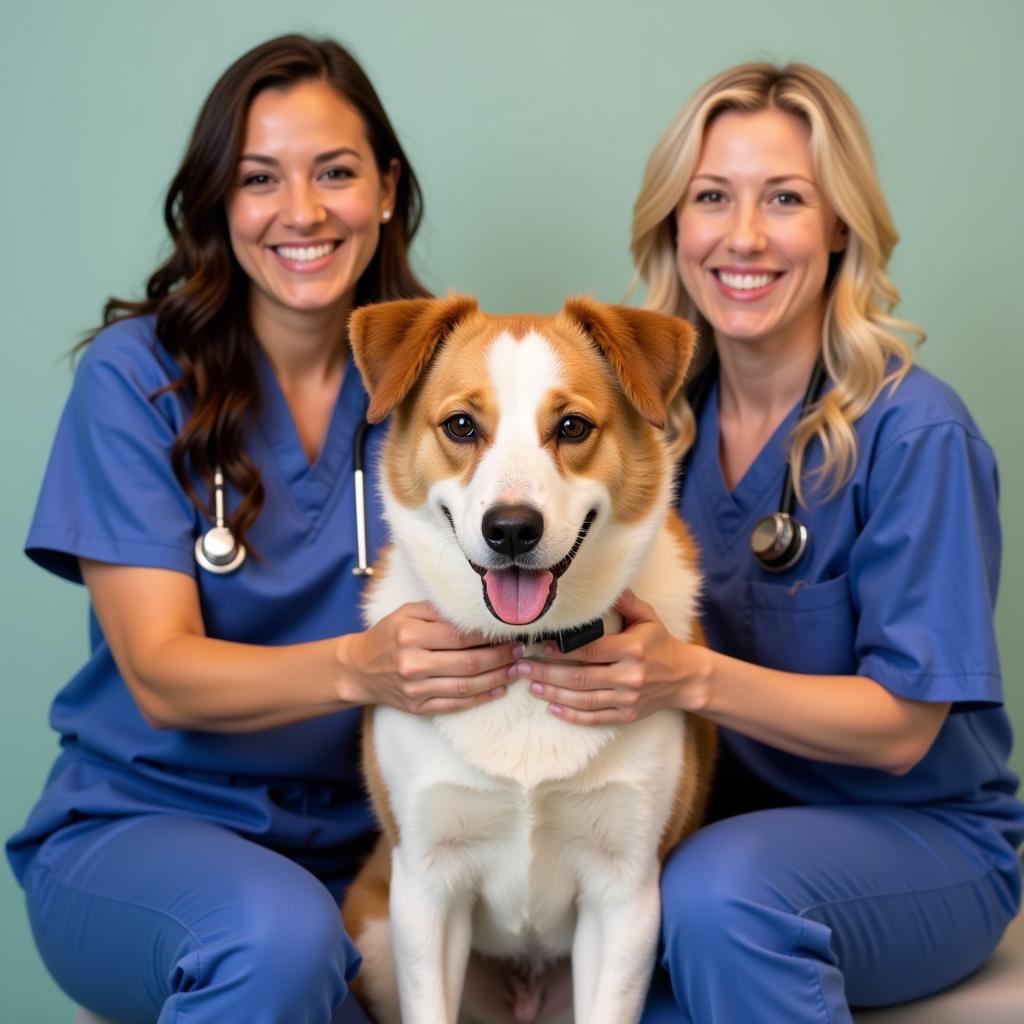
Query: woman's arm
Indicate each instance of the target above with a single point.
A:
(182, 679)
(843, 719)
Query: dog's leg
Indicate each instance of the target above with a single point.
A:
(613, 953)
(377, 987)
(365, 912)
(431, 930)
(458, 939)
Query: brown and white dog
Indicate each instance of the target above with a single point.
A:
(526, 484)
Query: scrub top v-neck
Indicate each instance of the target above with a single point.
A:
(110, 495)
(309, 485)
(898, 585)
(734, 511)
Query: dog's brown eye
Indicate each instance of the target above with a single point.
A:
(460, 427)
(574, 428)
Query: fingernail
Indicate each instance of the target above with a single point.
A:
(513, 672)
(498, 691)
(524, 668)
(536, 688)
(517, 650)
(556, 709)
(549, 650)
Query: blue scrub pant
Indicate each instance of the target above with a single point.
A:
(177, 920)
(780, 916)
(793, 914)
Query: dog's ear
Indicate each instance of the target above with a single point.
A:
(648, 351)
(392, 342)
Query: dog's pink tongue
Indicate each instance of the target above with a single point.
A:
(517, 595)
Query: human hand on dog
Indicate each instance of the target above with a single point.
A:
(622, 677)
(416, 661)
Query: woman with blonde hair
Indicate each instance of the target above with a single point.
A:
(862, 835)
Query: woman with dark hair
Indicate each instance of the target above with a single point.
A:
(186, 859)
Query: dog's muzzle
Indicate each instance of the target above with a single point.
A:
(513, 593)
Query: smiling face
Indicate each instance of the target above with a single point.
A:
(305, 213)
(755, 230)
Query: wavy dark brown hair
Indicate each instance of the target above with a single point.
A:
(199, 294)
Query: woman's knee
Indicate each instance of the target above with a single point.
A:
(718, 896)
(287, 946)
(180, 913)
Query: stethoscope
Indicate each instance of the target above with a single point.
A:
(779, 540)
(218, 551)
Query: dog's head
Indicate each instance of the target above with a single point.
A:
(525, 472)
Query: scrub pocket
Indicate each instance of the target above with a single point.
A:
(804, 627)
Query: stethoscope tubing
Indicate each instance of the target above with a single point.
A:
(361, 568)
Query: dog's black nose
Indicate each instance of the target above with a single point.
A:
(512, 530)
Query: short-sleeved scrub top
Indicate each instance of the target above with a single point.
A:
(898, 585)
(110, 495)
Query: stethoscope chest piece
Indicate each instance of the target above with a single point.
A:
(217, 550)
(778, 541)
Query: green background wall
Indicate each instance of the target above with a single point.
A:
(529, 124)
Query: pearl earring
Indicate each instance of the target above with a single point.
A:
(386, 216)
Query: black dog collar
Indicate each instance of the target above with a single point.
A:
(569, 640)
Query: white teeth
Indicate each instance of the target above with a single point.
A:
(305, 253)
(745, 282)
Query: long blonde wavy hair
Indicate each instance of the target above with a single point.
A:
(859, 334)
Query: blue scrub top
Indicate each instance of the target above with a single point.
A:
(110, 494)
(899, 585)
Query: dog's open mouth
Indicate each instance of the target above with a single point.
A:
(517, 595)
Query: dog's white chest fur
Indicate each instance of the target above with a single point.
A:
(525, 830)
